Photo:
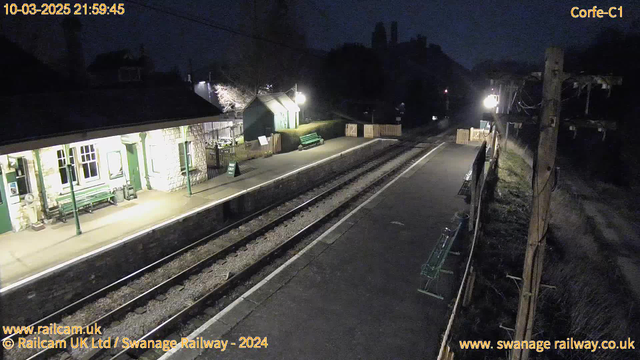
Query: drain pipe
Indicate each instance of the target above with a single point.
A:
(43, 191)
(143, 138)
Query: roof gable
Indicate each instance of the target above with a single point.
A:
(277, 102)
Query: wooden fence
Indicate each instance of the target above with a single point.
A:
(218, 158)
(390, 130)
(377, 130)
(462, 136)
(479, 134)
(351, 130)
(478, 207)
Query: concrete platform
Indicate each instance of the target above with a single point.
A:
(27, 253)
(352, 294)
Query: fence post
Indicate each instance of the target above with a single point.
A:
(468, 292)
(217, 152)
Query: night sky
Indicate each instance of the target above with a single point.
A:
(468, 31)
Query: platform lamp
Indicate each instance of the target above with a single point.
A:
(185, 131)
(299, 98)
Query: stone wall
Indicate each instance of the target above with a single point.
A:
(46, 294)
(18, 208)
(163, 152)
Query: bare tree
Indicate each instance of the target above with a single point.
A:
(231, 97)
(271, 59)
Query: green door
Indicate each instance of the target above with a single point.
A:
(5, 220)
(134, 169)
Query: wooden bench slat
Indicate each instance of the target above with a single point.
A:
(84, 198)
(310, 139)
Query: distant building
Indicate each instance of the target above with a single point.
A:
(379, 37)
(115, 67)
(393, 40)
(267, 114)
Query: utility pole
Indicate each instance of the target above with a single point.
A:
(544, 168)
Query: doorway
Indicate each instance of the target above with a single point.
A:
(5, 219)
(134, 168)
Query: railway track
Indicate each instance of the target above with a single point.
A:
(223, 260)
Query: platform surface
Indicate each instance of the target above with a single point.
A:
(353, 293)
(26, 253)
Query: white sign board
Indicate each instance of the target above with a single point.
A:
(263, 140)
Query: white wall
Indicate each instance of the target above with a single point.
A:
(164, 156)
(162, 147)
(18, 209)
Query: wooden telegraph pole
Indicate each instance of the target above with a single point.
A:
(542, 184)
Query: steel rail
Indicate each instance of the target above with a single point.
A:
(220, 290)
(195, 268)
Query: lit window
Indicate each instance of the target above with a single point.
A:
(114, 162)
(22, 176)
(189, 155)
(89, 162)
(62, 168)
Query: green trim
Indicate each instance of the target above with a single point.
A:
(143, 138)
(186, 165)
(43, 191)
(73, 195)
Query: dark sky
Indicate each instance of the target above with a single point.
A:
(469, 31)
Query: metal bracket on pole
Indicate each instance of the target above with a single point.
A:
(541, 285)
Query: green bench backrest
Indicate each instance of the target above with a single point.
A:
(85, 193)
(439, 254)
(309, 137)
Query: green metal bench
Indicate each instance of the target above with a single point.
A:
(85, 199)
(433, 267)
(310, 140)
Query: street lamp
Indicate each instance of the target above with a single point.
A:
(300, 98)
(491, 101)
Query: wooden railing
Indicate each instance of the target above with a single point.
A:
(478, 207)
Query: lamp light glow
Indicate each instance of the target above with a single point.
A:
(300, 98)
(491, 101)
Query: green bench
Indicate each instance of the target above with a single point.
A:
(85, 199)
(310, 140)
(433, 267)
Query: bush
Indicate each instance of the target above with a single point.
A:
(327, 129)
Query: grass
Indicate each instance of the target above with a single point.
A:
(591, 300)
(499, 252)
(327, 129)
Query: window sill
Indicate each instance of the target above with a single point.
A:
(191, 172)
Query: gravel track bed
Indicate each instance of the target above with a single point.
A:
(215, 307)
(118, 297)
(137, 323)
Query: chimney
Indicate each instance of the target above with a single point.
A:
(394, 33)
(71, 27)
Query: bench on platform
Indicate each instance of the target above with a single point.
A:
(433, 267)
(85, 199)
(310, 140)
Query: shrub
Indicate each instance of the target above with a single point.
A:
(327, 129)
